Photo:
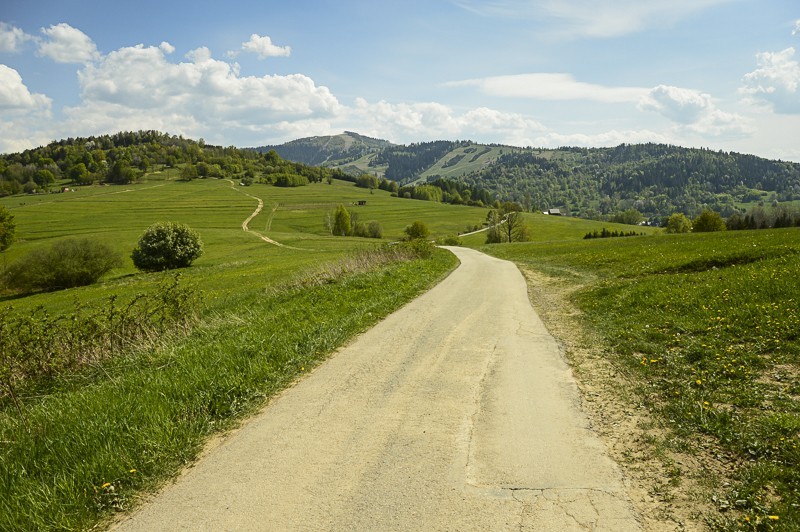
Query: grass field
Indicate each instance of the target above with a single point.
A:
(709, 326)
(89, 441)
(706, 323)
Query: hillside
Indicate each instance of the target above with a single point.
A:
(332, 150)
(655, 179)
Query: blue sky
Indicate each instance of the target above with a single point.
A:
(722, 74)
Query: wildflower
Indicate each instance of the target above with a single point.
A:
(107, 484)
(773, 517)
(132, 471)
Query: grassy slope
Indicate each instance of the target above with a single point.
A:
(627, 279)
(708, 325)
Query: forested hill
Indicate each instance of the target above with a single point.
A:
(124, 157)
(655, 179)
(336, 150)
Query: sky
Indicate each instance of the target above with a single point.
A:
(719, 74)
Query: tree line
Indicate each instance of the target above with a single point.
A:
(125, 157)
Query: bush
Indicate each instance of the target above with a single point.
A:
(375, 230)
(451, 240)
(678, 223)
(7, 228)
(165, 246)
(417, 230)
(708, 221)
(290, 180)
(65, 264)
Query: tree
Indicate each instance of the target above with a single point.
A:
(417, 230)
(79, 174)
(495, 234)
(165, 246)
(66, 264)
(7, 228)
(341, 221)
(375, 230)
(630, 217)
(678, 223)
(708, 221)
(367, 181)
(513, 223)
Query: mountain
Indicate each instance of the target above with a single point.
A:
(655, 179)
(334, 151)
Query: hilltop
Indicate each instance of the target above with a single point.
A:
(654, 179)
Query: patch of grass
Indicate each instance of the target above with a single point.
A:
(85, 453)
(709, 325)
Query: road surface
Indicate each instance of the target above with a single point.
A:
(455, 413)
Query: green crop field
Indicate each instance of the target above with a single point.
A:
(709, 326)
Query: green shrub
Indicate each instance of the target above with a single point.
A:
(417, 230)
(165, 246)
(707, 222)
(375, 230)
(678, 223)
(7, 228)
(451, 240)
(66, 264)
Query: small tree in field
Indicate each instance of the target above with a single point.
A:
(708, 221)
(678, 223)
(165, 246)
(417, 230)
(341, 221)
(7, 228)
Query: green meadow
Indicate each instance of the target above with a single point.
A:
(705, 324)
(708, 328)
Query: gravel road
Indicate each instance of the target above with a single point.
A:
(457, 412)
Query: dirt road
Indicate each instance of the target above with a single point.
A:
(455, 413)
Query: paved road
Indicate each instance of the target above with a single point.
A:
(455, 413)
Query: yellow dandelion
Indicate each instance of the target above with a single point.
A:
(132, 471)
(773, 517)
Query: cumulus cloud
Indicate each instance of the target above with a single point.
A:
(796, 30)
(12, 38)
(138, 85)
(65, 44)
(592, 18)
(15, 96)
(412, 122)
(775, 81)
(263, 47)
(551, 86)
(694, 111)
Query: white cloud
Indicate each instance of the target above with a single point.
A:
(15, 96)
(592, 18)
(263, 47)
(65, 44)
(776, 81)
(694, 111)
(551, 86)
(684, 106)
(796, 30)
(11, 38)
(413, 122)
(166, 47)
(24, 116)
(138, 87)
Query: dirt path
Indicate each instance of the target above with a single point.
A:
(457, 412)
(259, 208)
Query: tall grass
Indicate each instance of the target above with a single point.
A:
(709, 325)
